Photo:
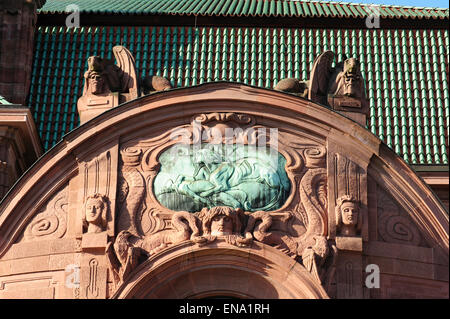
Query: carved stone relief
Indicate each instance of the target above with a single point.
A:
(97, 193)
(107, 84)
(394, 225)
(95, 213)
(239, 176)
(348, 198)
(288, 180)
(348, 216)
(51, 221)
(340, 86)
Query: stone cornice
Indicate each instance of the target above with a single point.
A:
(20, 117)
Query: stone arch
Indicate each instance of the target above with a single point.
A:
(53, 189)
(184, 271)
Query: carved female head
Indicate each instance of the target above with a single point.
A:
(348, 216)
(95, 213)
(221, 220)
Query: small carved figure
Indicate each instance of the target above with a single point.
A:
(95, 83)
(348, 81)
(123, 256)
(158, 241)
(348, 216)
(106, 84)
(342, 85)
(105, 69)
(155, 83)
(292, 85)
(313, 257)
(95, 214)
(223, 221)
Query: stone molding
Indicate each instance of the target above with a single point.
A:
(20, 144)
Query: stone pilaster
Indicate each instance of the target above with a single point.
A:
(17, 27)
(19, 144)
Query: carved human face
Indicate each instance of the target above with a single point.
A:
(351, 77)
(221, 225)
(350, 213)
(94, 210)
(96, 83)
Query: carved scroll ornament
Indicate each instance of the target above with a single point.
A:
(394, 224)
(51, 222)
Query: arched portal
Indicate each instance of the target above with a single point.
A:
(222, 270)
(330, 162)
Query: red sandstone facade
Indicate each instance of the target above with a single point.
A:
(404, 228)
(49, 248)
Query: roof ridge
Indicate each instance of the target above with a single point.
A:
(227, 8)
(361, 4)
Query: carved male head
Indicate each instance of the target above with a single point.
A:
(95, 82)
(95, 213)
(348, 215)
(352, 77)
(221, 221)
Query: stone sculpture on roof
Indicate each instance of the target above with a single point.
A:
(341, 86)
(107, 85)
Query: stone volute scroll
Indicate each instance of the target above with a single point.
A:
(51, 221)
(106, 84)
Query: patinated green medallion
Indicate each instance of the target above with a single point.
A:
(192, 177)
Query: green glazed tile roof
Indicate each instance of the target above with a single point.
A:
(244, 8)
(406, 72)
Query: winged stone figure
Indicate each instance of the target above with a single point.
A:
(339, 86)
(108, 84)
